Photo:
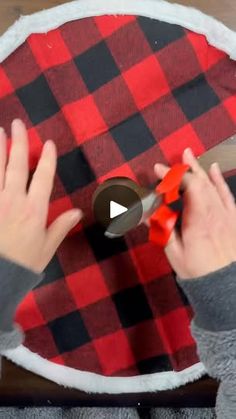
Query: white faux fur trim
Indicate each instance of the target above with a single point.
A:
(216, 32)
(219, 36)
(95, 383)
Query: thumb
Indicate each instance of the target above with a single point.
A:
(174, 251)
(59, 229)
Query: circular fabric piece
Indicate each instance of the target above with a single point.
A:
(117, 94)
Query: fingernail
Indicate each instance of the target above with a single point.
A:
(189, 152)
(17, 121)
(76, 215)
(48, 145)
(216, 167)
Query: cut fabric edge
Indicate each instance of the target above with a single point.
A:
(96, 383)
(217, 34)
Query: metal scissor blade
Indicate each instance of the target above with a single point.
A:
(127, 221)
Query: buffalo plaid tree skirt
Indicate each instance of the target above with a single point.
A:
(117, 94)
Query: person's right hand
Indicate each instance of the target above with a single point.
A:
(207, 241)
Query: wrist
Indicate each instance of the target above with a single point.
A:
(212, 297)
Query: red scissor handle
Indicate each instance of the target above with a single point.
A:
(163, 220)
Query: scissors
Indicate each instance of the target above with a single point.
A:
(155, 208)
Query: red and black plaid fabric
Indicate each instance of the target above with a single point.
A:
(116, 94)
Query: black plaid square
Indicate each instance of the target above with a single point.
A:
(38, 100)
(160, 34)
(155, 364)
(74, 170)
(103, 247)
(132, 306)
(133, 136)
(196, 97)
(101, 61)
(63, 331)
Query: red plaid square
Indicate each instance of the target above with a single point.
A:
(221, 78)
(150, 262)
(174, 330)
(83, 358)
(174, 145)
(101, 318)
(161, 302)
(206, 54)
(146, 90)
(82, 200)
(66, 75)
(49, 49)
(86, 32)
(57, 207)
(58, 189)
(119, 272)
(87, 286)
(180, 52)
(124, 171)
(58, 360)
(62, 136)
(149, 347)
(13, 67)
(5, 85)
(230, 105)
(54, 300)
(214, 125)
(127, 372)
(35, 148)
(156, 114)
(149, 158)
(184, 357)
(116, 344)
(97, 148)
(112, 111)
(119, 45)
(11, 108)
(41, 337)
(28, 313)
(138, 235)
(75, 253)
(84, 119)
(109, 24)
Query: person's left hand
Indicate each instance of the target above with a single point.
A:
(23, 214)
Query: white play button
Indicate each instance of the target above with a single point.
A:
(116, 209)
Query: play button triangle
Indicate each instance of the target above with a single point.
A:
(116, 209)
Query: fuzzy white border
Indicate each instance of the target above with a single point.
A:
(216, 32)
(217, 35)
(95, 383)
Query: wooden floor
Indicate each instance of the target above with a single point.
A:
(19, 387)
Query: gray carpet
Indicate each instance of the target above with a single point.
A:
(105, 413)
